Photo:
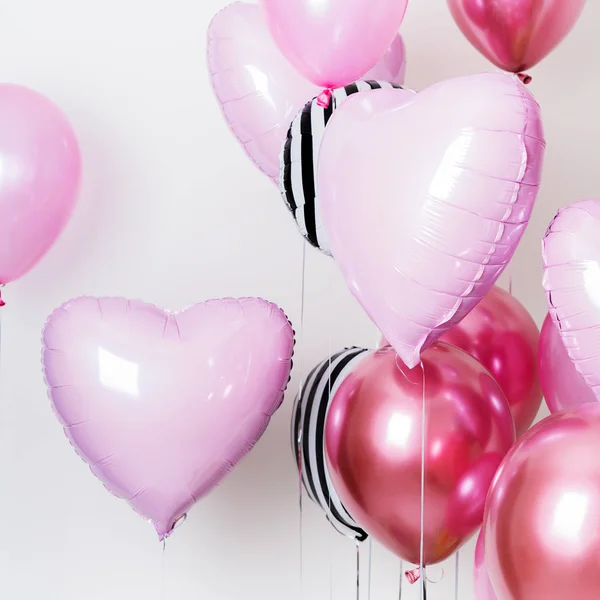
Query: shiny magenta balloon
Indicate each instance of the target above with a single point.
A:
(542, 521)
(515, 34)
(503, 337)
(564, 387)
(374, 443)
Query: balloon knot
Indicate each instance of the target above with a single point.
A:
(324, 98)
(526, 79)
(2, 303)
(413, 576)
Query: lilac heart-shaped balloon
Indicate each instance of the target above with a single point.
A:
(571, 253)
(424, 198)
(260, 92)
(162, 405)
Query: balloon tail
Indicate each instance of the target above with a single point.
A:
(299, 440)
(526, 79)
(324, 98)
(413, 576)
(2, 303)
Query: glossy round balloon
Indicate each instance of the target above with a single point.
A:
(448, 178)
(333, 42)
(259, 91)
(571, 256)
(163, 405)
(481, 578)
(515, 34)
(542, 522)
(373, 443)
(503, 337)
(562, 385)
(39, 178)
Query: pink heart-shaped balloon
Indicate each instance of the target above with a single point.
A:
(425, 197)
(260, 92)
(571, 253)
(162, 405)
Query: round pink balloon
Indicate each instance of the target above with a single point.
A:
(374, 443)
(542, 522)
(481, 578)
(515, 34)
(259, 91)
(425, 197)
(571, 256)
(163, 405)
(39, 178)
(333, 42)
(562, 385)
(501, 335)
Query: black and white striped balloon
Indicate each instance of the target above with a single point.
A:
(308, 436)
(299, 157)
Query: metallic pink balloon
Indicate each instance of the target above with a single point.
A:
(259, 91)
(542, 522)
(481, 578)
(562, 385)
(373, 443)
(503, 337)
(515, 34)
(423, 224)
(333, 42)
(571, 255)
(40, 169)
(163, 405)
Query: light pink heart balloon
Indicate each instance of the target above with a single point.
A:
(425, 197)
(571, 253)
(260, 92)
(162, 405)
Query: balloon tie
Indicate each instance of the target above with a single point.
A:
(526, 79)
(413, 576)
(2, 303)
(324, 98)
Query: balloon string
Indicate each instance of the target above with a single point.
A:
(370, 568)
(300, 432)
(163, 570)
(401, 579)
(456, 573)
(422, 544)
(357, 570)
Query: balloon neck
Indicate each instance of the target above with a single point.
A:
(2, 303)
(324, 98)
(526, 79)
(413, 576)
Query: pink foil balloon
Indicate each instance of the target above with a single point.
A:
(425, 197)
(373, 444)
(259, 91)
(503, 337)
(39, 178)
(333, 42)
(481, 579)
(515, 34)
(542, 522)
(162, 405)
(562, 385)
(571, 254)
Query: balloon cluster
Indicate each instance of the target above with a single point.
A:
(421, 199)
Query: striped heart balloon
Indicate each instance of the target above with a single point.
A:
(299, 160)
(308, 436)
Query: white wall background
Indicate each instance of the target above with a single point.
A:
(172, 212)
